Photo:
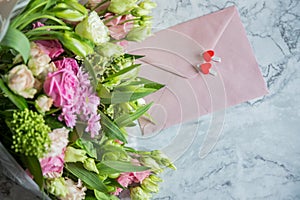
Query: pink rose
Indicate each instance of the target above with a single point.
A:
(68, 63)
(51, 165)
(50, 47)
(118, 28)
(61, 86)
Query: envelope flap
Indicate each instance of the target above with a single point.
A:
(207, 29)
(178, 49)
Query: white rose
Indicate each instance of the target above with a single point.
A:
(43, 103)
(38, 64)
(93, 28)
(21, 81)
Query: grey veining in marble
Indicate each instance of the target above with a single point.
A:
(258, 153)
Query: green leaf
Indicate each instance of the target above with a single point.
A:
(88, 177)
(17, 40)
(122, 166)
(88, 147)
(33, 165)
(127, 96)
(143, 82)
(100, 195)
(127, 119)
(19, 101)
(105, 170)
(91, 72)
(126, 55)
(111, 129)
(123, 71)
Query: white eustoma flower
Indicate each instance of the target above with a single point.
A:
(76, 191)
(59, 140)
(93, 29)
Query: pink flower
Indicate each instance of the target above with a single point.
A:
(125, 179)
(128, 178)
(140, 176)
(37, 24)
(93, 125)
(117, 192)
(50, 47)
(68, 63)
(52, 165)
(119, 27)
(61, 86)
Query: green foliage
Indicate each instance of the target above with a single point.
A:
(15, 39)
(88, 177)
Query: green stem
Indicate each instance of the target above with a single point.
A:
(52, 111)
(33, 18)
(130, 20)
(39, 33)
(19, 20)
(114, 17)
(51, 28)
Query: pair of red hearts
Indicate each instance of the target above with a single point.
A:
(207, 56)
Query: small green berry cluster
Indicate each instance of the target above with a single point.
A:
(30, 133)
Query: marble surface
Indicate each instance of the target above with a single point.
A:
(257, 155)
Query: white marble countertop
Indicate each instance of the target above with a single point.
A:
(258, 153)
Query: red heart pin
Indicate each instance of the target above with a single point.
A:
(205, 68)
(207, 55)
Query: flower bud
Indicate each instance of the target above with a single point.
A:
(139, 34)
(90, 165)
(75, 155)
(70, 10)
(115, 175)
(149, 162)
(149, 186)
(137, 193)
(43, 103)
(57, 186)
(109, 49)
(21, 81)
(155, 178)
(111, 156)
(121, 6)
(137, 12)
(147, 4)
(93, 29)
(76, 44)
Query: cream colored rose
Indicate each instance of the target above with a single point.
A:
(21, 81)
(39, 61)
(43, 103)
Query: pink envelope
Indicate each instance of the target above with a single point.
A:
(171, 56)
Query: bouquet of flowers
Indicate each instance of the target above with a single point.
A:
(68, 91)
